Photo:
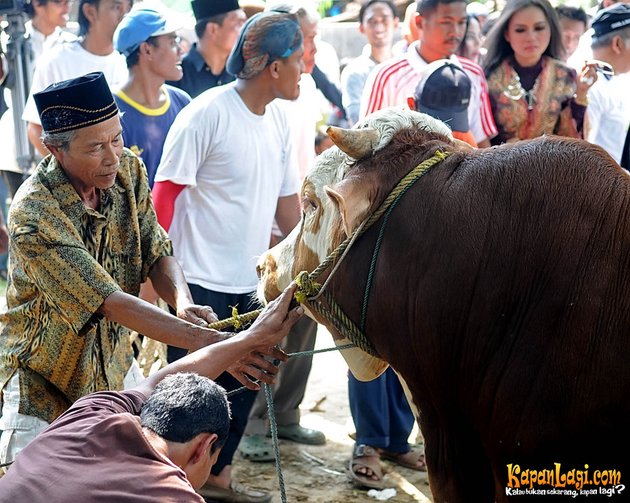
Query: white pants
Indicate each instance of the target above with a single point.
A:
(19, 429)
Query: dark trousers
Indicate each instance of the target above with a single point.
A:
(380, 411)
(240, 403)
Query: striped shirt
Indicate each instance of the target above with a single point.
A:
(392, 82)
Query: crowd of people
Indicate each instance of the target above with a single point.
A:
(164, 174)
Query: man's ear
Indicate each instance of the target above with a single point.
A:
(274, 69)
(618, 44)
(203, 446)
(89, 11)
(419, 21)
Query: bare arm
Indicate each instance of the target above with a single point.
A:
(149, 320)
(34, 136)
(288, 213)
(270, 328)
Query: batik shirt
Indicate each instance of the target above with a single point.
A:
(66, 259)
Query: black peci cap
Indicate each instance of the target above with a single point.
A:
(75, 103)
(613, 18)
(203, 9)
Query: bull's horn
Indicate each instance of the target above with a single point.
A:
(357, 143)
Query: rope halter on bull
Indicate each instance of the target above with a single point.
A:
(309, 291)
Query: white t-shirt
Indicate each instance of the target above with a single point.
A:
(303, 115)
(41, 43)
(235, 165)
(608, 113)
(70, 60)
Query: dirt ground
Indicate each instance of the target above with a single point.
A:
(317, 473)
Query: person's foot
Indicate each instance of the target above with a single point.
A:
(236, 493)
(364, 469)
(413, 459)
(297, 433)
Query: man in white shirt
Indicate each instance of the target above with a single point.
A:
(227, 171)
(378, 21)
(45, 28)
(608, 111)
(93, 52)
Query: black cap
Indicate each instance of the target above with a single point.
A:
(444, 93)
(613, 18)
(203, 9)
(75, 103)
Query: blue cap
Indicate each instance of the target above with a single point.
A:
(140, 25)
(264, 38)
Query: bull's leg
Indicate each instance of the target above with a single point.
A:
(459, 471)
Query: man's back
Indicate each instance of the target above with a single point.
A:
(111, 459)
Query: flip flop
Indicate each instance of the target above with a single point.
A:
(364, 456)
(256, 448)
(407, 459)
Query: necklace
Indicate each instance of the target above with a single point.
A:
(515, 91)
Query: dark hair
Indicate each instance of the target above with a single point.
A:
(369, 3)
(184, 405)
(133, 58)
(499, 48)
(426, 7)
(200, 26)
(30, 10)
(572, 13)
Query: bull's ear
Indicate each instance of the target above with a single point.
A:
(353, 200)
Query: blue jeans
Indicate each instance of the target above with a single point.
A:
(240, 403)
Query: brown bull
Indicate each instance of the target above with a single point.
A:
(501, 295)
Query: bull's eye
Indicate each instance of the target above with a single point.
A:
(308, 205)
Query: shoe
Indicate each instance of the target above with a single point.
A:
(256, 448)
(237, 493)
(301, 435)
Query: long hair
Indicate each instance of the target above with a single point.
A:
(498, 48)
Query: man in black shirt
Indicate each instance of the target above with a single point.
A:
(217, 28)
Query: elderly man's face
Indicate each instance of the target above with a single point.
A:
(93, 156)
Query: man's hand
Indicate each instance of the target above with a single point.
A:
(269, 329)
(255, 367)
(197, 315)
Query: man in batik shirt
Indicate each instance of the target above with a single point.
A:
(84, 236)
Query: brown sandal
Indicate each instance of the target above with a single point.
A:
(364, 456)
(412, 459)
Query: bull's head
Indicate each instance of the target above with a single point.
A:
(332, 206)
